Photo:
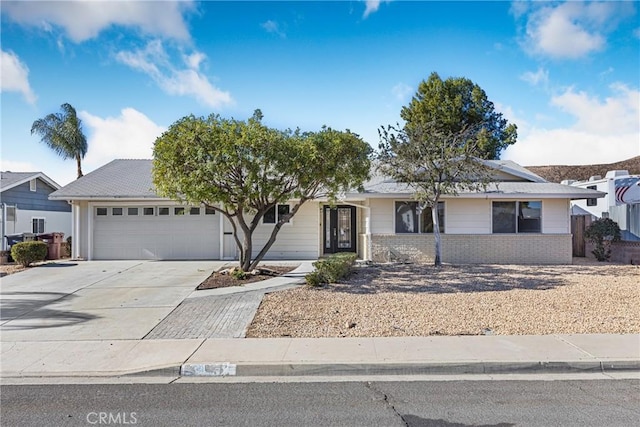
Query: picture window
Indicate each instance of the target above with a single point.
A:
(270, 216)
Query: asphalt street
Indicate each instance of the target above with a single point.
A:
(416, 404)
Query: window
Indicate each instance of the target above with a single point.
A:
(37, 225)
(148, 211)
(163, 211)
(101, 211)
(270, 216)
(592, 202)
(132, 211)
(11, 213)
(32, 185)
(517, 217)
(194, 211)
(209, 211)
(178, 211)
(408, 220)
(116, 211)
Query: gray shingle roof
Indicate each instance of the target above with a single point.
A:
(497, 190)
(11, 179)
(117, 179)
(8, 179)
(131, 179)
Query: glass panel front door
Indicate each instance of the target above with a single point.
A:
(344, 228)
(339, 229)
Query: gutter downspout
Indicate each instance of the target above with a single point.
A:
(4, 226)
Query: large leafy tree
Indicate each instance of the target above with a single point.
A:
(62, 132)
(243, 169)
(459, 105)
(450, 127)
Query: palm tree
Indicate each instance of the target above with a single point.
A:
(62, 132)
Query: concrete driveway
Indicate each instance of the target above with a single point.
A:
(95, 300)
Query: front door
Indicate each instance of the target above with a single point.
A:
(339, 229)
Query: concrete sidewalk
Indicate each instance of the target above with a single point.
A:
(325, 356)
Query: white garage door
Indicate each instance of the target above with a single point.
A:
(155, 232)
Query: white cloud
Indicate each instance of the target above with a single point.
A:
(619, 113)
(273, 27)
(84, 19)
(14, 76)
(571, 29)
(154, 61)
(17, 166)
(128, 136)
(401, 91)
(372, 6)
(539, 77)
(604, 131)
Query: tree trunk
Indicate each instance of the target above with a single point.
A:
(436, 235)
(274, 233)
(245, 253)
(78, 161)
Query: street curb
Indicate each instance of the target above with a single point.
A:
(222, 369)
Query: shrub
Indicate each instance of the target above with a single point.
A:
(313, 279)
(67, 246)
(602, 232)
(27, 252)
(239, 274)
(332, 269)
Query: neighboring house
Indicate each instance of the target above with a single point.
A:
(521, 218)
(621, 202)
(26, 208)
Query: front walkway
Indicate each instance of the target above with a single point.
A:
(223, 312)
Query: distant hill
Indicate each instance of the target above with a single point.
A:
(557, 173)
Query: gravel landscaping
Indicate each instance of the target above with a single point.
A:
(418, 300)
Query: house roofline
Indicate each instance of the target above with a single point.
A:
(491, 195)
(110, 198)
(35, 175)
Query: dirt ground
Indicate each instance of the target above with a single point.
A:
(218, 280)
(418, 300)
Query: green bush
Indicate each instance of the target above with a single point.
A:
(332, 269)
(313, 279)
(68, 247)
(27, 252)
(239, 274)
(601, 233)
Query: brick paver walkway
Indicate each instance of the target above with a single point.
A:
(225, 316)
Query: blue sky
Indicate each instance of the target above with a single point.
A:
(567, 73)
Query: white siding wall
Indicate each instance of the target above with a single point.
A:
(382, 216)
(298, 240)
(555, 216)
(467, 216)
(472, 216)
(53, 222)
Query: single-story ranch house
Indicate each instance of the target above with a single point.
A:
(521, 218)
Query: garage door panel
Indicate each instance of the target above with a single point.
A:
(156, 237)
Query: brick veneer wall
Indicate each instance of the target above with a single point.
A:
(475, 248)
(624, 252)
